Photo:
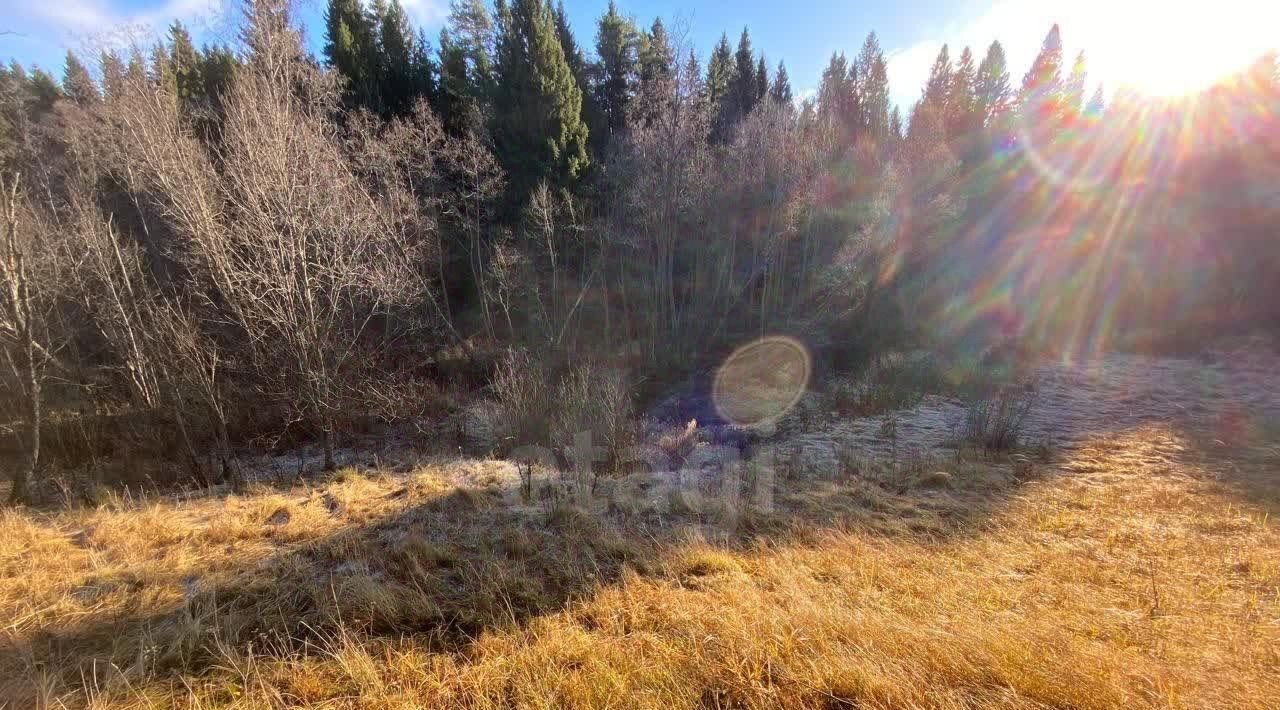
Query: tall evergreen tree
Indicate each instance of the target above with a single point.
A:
(762, 79)
(185, 63)
(991, 85)
(572, 53)
(895, 125)
(398, 85)
(873, 71)
(112, 68)
(834, 91)
(962, 105)
(616, 71)
(1041, 93)
(744, 83)
(77, 85)
(350, 48)
(218, 66)
(1073, 87)
(657, 73)
(472, 31)
(720, 75)
(1097, 104)
(938, 87)
(780, 91)
(537, 117)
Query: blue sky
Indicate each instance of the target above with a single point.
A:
(1136, 42)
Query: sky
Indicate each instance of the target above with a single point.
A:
(1161, 47)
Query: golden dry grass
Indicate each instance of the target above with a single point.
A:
(1138, 571)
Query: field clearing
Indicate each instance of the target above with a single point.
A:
(1137, 568)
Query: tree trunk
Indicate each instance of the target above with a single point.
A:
(230, 467)
(327, 440)
(23, 474)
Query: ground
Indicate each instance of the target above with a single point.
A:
(1128, 559)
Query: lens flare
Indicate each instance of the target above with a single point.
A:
(761, 380)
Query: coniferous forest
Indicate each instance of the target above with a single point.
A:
(215, 252)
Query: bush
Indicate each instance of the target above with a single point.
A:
(897, 381)
(996, 422)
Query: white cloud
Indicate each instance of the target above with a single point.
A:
(426, 13)
(805, 94)
(99, 21)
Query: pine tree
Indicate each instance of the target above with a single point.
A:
(350, 49)
(184, 62)
(472, 31)
(458, 109)
(895, 125)
(721, 79)
(424, 69)
(1073, 87)
(1097, 104)
(962, 114)
(136, 71)
(657, 86)
(1041, 93)
(833, 92)
(616, 71)
(762, 79)
(572, 53)
(991, 85)
(938, 87)
(874, 89)
(43, 91)
(77, 85)
(780, 92)
(399, 85)
(744, 84)
(538, 127)
(112, 69)
(218, 67)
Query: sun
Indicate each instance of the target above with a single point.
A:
(1174, 47)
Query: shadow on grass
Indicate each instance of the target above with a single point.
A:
(446, 566)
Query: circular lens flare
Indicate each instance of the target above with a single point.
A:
(761, 380)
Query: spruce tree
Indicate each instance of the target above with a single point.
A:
(833, 91)
(350, 49)
(1097, 104)
(398, 83)
(184, 62)
(961, 116)
(744, 84)
(472, 30)
(938, 87)
(657, 73)
(720, 79)
(537, 121)
(77, 85)
(572, 53)
(218, 66)
(874, 89)
(1041, 93)
(458, 108)
(616, 71)
(1073, 87)
(762, 79)
(112, 68)
(991, 85)
(780, 91)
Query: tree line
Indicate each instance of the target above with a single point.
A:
(240, 248)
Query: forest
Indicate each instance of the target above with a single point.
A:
(211, 253)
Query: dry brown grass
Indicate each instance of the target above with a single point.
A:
(1135, 572)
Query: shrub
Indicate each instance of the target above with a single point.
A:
(995, 422)
(897, 381)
